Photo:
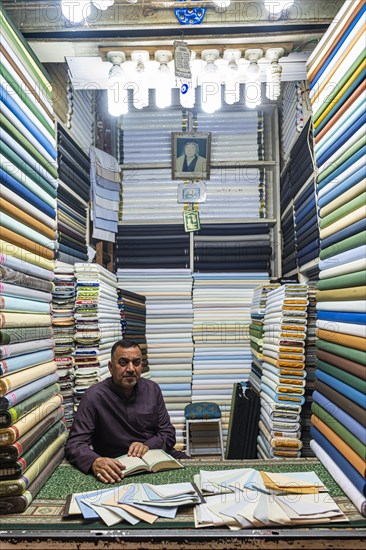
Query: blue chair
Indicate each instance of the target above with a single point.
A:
(205, 412)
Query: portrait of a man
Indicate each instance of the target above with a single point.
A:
(191, 155)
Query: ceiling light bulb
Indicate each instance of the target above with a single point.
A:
(163, 87)
(76, 10)
(253, 94)
(210, 82)
(273, 73)
(117, 85)
(140, 87)
(187, 95)
(103, 4)
(276, 7)
(222, 4)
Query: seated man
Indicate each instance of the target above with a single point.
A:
(122, 414)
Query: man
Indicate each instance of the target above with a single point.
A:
(191, 161)
(122, 414)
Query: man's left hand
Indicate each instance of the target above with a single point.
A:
(137, 449)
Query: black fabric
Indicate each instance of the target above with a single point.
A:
(243, 425)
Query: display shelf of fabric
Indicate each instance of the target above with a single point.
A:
(168, 334)
(306, 225)
(72, 227)
(257, 312)
(151, 246)
(80, 116)
(63, 305)
(74, 164)
(292, 113)
(288, 243)
(104, 194)
(132, 309)
(233, 247)
(221, 310)
(339, 405)
(283, 371)
(97, 324)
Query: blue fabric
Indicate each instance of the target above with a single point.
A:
(343, 167)
(309, 248)
(308, 257)
(359, 80)
(340, 317)
(300, 399)
(25, 194)
(14, 108)
(337, 47)
(345, 419)
(301, 213)
(346, 390)
(343, 234)
(202, 411)
(346, 134)
(307, 225)
(13, 364)
(72, 252)
(341, 187)
(343, 258)
(353, 475)
(302, 202)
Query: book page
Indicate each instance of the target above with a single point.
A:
(132, 463)
(155, 456)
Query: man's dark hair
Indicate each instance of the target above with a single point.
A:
(124, 344)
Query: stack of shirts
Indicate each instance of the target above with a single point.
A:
(292, 116)
(168, 334)
(28, 176)
(132, 308)
(63, 303)
(283, 374)
(98, 324)
(310, 359)
(339, 421)
(257, 312)
(221, 309)
(105, 189)
(72, 198)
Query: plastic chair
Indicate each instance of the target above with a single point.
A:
(204, 412)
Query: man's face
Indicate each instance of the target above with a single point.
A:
(190, 149)
(126, 367)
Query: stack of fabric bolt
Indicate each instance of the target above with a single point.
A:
(283, 374)
(29, 400)
(292, 116)
(63, 303)
(168, 334)
(221, 310)
(132, 308)
(257, 312)
(310, 359)
(339, 420)
(98, 324)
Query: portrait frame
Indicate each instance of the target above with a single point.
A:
(180, 169)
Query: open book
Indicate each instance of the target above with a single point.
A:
(152, 461)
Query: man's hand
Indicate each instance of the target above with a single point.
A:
(107, 470)
(137, 449)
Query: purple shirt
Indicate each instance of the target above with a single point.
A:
(110, 422)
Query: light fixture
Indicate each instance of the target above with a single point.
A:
(273, 73)
(275, 8)
(187, 86)
(232, 81)
(222, 5)
(140, 87)
(210, 82)
(117, 85)
(163, 87)
(253, 90)
(76, 11)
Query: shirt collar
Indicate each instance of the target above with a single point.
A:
(117, 390)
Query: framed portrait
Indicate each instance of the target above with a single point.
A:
(191, 154)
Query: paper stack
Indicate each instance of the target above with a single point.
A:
(246, 498)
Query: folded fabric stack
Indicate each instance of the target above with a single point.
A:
(283, 371)
(30, 405)
(256, 329)
(292, 113)
(310, 359)
(234, 192)
(132, 309)
(168, 333)
(63, 303)
(221, 310)
(339, 415)
(105, 187)
(72, 199)
(98, 324)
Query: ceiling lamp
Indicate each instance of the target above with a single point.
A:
(117, 85)
(232, 81)
(275, 8)
(140, 87)
(210, 82)
(222, 4)
(163, 86)
(78, 10)
(253, 93)
(273, 73)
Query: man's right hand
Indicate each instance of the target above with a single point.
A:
(107, 470)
